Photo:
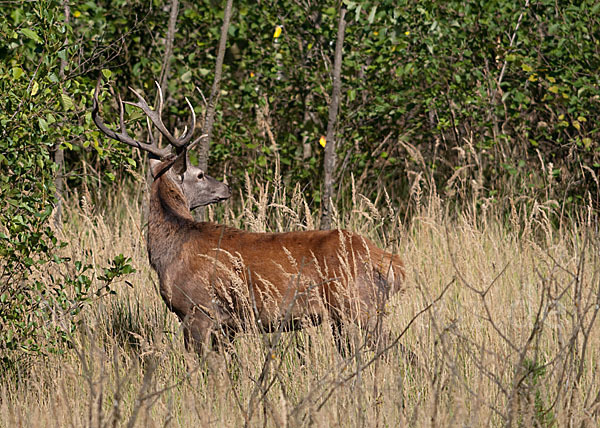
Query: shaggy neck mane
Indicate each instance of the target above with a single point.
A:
(168, 215)
(167, 201)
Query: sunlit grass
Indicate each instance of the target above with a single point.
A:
(512, 339)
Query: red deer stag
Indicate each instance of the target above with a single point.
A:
(220, 279)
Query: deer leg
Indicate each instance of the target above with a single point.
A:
(223, 339)
(187, 338)
(342, 342)
(196, 333)
(194, 339)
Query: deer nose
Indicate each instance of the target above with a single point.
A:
(223, 192)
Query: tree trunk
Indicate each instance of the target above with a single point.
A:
(59, 155)
(166, 65)
(214, 92)
(209, 120)
(329, 161)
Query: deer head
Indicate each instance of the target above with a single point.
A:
(198, 188)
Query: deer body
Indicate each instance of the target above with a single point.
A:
(216, 277)
(221, 279)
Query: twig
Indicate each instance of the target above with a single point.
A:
(512, 40)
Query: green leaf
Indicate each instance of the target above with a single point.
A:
(371, 17)
(357, 13)
(27, 32)
(67, 101)
(43, 124)
(527, 68)
(186, 77)
(17, 72)
(106, 73)
(35, 88)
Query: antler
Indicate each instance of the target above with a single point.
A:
(155, 117)
(152, 115)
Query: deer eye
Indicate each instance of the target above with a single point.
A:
(200, 176)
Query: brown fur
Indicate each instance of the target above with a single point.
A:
(216, 277)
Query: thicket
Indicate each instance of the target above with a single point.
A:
(502, 97)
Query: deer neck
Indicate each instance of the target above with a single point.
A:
(168, 217)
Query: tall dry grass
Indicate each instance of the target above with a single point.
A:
(500, 314)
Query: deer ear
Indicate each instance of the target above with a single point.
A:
(154, 167)
(181, 163)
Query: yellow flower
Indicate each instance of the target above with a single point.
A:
(322, 141)
(76, 14)
(251, 74)
(277, 32)
(407, 33)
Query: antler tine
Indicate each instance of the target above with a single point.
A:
(197, 140)
(122, 135)
(150, 133)
(151, 114)
(155, 117)
(192, 126)
(160, 98)
(183, 140)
